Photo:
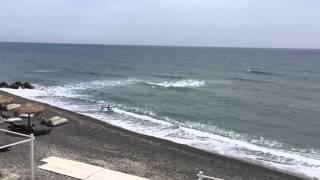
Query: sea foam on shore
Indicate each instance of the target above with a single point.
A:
(263, 152)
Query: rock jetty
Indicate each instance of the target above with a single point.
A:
(16, 85)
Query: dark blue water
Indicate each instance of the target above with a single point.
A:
(259, 105)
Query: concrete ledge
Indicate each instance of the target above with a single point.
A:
(84, 171)
(113, 175)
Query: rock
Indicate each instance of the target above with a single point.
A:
(28, 86)
(4, 85)
(19, 84)
(16, 85)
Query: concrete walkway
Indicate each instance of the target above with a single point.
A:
(84, 171)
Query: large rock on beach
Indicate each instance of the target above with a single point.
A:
(28, 85)
(16, 85)
(4, 85)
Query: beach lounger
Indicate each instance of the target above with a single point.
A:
(55, 121)
(55, 118)
(59, 122)
(13, 120)
(12, 106)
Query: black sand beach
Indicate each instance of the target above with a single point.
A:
(91, 141)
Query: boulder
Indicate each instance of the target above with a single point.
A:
(19, 84)
(4, 85)
(16, 85)
(28, 86)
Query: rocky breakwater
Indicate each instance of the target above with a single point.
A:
(16, 85)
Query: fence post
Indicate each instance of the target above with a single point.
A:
(200, 175)
(32, 156)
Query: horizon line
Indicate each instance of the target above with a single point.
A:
(154, 45)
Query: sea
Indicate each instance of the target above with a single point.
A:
(258, 105)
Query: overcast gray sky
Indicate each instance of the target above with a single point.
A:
(244, 23)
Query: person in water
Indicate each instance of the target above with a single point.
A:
(109, 108)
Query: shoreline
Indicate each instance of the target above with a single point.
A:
(168, 160)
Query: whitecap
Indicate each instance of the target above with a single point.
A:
(45, 71)
(187, 83)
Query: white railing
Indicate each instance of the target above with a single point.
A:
(202, 177)
(31, 140)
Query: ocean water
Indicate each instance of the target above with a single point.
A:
(257, 105)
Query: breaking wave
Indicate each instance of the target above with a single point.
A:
(187, 83)
(99, 84)
(46, 71)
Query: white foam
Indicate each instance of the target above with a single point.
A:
(229, 144)
(130, 108)
(189, 83)
(46, 71)
(92, 85)
(223, 145)
(26, 93)
(104, 83)
(138, 116)
(72, 89)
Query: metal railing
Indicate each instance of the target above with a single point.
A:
(31, 140)
(202, 177)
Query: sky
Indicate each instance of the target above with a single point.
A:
(219, 23)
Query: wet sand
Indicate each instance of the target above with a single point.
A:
(95, 142)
